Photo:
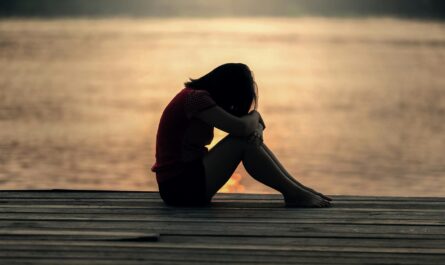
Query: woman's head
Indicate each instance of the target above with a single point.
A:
(231, 85)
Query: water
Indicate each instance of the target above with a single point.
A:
(352, 106)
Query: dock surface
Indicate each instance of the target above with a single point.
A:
(106, 227)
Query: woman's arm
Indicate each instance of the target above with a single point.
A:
(223, 120)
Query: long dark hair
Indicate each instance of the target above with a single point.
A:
(231, 86)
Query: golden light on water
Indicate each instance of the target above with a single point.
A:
(350, 104)
(234, 184)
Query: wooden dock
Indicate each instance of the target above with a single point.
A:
(98, 227)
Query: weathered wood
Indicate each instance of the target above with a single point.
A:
(100, 194)
(231, 213)
(311, 241)
(201, 260)
(204, 224)
(221, 255)
(59, 261)
(77, 235)
(301, 219)
(59, 238)
(265, 230)
(103, 227)
(216, 204)
(130, 246)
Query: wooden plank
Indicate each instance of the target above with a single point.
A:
(244, 229)
(89, 250)
(156, 197)
(72, 234)
(221, 220)
(308, 241)
(227, 204)
(253, 196)
(61, 237)
(283, 213)
(209, 255)
(74, 261)
(220, 196)
(216, 202)
(216, 208)
(115, 246)
(172, 261)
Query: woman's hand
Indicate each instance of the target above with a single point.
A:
(257, 135)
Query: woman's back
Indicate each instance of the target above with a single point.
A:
(181, 137)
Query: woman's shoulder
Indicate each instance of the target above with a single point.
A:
(184, 94)
(193, 96)
(197, 100)
(192, 91)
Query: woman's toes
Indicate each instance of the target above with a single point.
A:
(311, 200)
(325, 197)
(322, 203)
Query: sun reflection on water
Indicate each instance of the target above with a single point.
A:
(351, 105)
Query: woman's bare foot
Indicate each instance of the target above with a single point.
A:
(306, 199)
(317, 193)
(309, 189)
(312, 191)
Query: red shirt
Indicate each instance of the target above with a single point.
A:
(182, 137)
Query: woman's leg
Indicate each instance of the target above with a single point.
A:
(278, 163)
(223, 159)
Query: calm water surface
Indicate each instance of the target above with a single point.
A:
(353, 106)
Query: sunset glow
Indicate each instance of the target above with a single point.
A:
(347, 102)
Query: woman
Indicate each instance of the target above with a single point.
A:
(187, 173)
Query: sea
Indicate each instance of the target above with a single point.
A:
(353, 106)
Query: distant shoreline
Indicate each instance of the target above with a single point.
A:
(413, 9)
(123, 17)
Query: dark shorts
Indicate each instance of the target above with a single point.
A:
(186, 189)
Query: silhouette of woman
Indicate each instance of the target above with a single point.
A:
(187, 173)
